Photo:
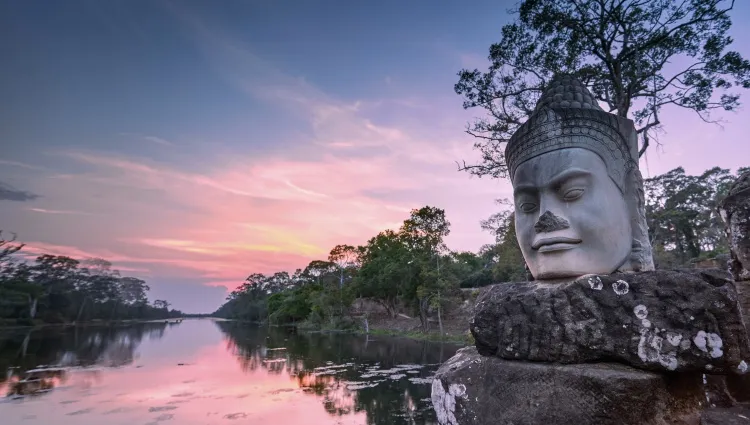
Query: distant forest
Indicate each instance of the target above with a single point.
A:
(60, 289)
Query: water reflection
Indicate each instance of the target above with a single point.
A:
(37, 360)
(385, 377)
(210, 372)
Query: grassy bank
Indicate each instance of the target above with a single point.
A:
(462, 339)
(455, 331)
(404, 328)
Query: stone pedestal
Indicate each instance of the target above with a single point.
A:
(664, 321)
(471, 389)
(626, 348)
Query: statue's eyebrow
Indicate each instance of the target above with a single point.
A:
(524, 188)
(566, 175)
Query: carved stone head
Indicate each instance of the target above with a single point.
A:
(578, 193)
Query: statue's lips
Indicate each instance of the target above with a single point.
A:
(556, 243)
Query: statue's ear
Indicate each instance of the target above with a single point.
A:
(641, 256)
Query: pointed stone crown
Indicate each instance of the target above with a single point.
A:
(568, 116)
(567, 92)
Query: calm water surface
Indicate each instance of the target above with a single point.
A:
(213, 372)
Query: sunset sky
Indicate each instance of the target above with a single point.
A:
(192, 143)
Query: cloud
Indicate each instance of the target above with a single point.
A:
(153, 139)
(158, 140)
(20, 165)
(45, 211)
(8, 193)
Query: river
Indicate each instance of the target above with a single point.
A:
(205, 371)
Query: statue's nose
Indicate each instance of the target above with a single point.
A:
(549, 222)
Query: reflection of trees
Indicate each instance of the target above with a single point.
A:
(22, 353)
(343, 390)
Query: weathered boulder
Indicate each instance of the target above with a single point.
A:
(470, 389)
(666, 320)
(738, 415)
(735, 211)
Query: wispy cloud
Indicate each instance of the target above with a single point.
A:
(9, 193)
(149, 138)
(20, 165)
(46, 211)
(158, 140)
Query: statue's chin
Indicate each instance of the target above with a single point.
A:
(570, 265)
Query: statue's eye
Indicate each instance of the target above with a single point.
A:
(572, 194)
(528, 207)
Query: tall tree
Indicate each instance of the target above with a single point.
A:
(425, 231)
(387, 272)
(345, 258)
(133, 290)
(625, 51)
(161, 304)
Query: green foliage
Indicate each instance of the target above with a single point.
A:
(620, 50)
(682, 218)
(397, 269)
(60, 289)
(507, 260)
(388, 272)
(293, 305)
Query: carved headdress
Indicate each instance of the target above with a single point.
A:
(568, 116)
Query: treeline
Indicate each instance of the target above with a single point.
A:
(60, 289)
(411, 271)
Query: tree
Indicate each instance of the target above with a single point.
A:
(387, 272)
(509, 264)
(161, 304)
(345, 258)
(8, 247)
(682, 218)
(620, 50)
(319, 268)
(133, 291)
(424, 231)
(54, 288)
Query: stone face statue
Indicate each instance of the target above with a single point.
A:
(578, 193)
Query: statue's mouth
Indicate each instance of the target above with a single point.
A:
(556, 243)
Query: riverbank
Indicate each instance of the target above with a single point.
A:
(27, 323)
(455, 322)
(455, 328)
(460, 339)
